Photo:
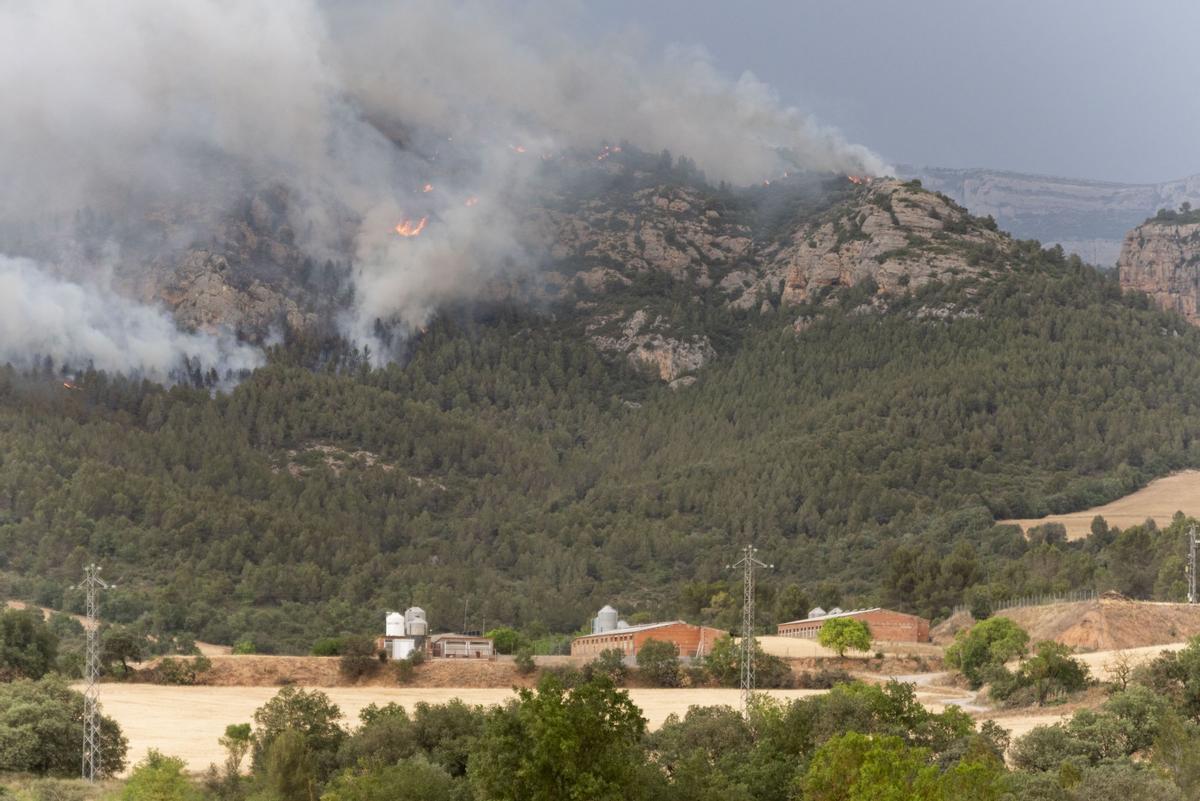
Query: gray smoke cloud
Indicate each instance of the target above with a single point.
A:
(90, 325)
(123, 105)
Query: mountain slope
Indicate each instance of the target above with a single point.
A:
(512, 463)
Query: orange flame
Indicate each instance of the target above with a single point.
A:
(607, 151)
(410, 228)
(861, 180)
(471, 201)
(517, 148)
(69, 385)
(427, 188)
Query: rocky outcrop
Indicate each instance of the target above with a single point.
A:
(1162, 259)
(202, 297)
(647, 345)
(676, 230)
(895, 234)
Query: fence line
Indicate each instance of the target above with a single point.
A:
(1074, 596)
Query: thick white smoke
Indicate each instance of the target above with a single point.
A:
(122, 105)
(79, 325)
(481, 67)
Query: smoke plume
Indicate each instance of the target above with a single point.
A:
(89, 325)
(124, 106)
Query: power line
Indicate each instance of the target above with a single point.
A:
(91, 585)
(748, 563)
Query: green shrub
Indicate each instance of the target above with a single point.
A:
(986, 645)
(358, 657)
(658, 663)
(610, 662)
(507, 640)
(823, 679)
(28, 649)
(181, 671)
(327, 646)
(524, 662)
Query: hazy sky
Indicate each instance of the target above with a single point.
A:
(1079, 88)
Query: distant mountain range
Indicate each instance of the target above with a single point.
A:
(1090, 218)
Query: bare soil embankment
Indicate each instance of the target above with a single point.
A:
(1159, 500)
(1109, 623)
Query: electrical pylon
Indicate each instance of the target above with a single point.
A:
(91, 585)
(1191, 566)
(748, 563)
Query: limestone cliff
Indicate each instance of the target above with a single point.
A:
(1161, 257)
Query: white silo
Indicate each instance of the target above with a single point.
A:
(394, 625)
(606, 620)
(415, 624)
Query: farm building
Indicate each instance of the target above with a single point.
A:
(461, 646)
(885, 625)
(609, 632)
(404, 633)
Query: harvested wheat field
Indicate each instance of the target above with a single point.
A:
(1109, 623)
(1158, 500)
(186, 721)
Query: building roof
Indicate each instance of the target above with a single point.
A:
(839, 613)
(633, 629)
(440, 637)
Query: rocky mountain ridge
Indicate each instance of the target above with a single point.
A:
(1089, 218)
(1161, 258)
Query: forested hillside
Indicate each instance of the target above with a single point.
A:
(865, 440)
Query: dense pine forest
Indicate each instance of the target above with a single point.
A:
(507, 471)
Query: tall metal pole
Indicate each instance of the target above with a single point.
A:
(1191, 566)
(748, 645)
(92, 584)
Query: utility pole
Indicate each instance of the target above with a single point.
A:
(1191, 566)
(748, 562)
(91, 585)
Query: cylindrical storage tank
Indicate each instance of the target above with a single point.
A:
(414, 613)
(394, 626)
(417, 627)
(607, 619)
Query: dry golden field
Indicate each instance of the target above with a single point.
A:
(1159, 500)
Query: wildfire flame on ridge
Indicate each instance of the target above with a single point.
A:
(861, 180)
(427, 188)
(407, 227)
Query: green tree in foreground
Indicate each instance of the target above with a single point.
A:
(986, 645)
(413, 779)
(159, 778)
(28, 648)
(554, 744)
(845, 633)
(291, 772)
(236, 741)
(658, 663)
(308, 713)
(41, 723)
(724, 665)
